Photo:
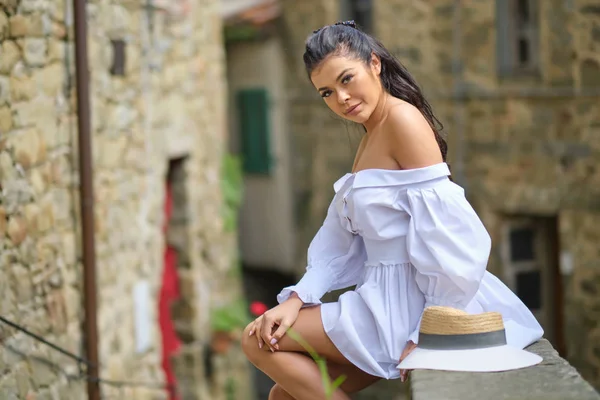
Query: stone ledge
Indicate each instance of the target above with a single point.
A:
(553, 379)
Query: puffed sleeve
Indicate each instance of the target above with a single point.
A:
(447, 244)
(336, 260)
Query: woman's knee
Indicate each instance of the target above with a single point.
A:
(247, 342)
(250, 346)
(277, 393)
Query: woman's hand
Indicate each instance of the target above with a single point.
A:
(410, 346)
(282, 316)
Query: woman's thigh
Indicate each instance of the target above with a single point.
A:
(310, 328)
(356, 379)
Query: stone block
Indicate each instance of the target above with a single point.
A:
(57, 309)
(57, 50)
(59, 30)
(100, 53)
(50, 79)
(59, 172)
(8, 307)
(5, 119)
(21, 282)
(37, 181)
(22, 88)
(8, 389)
(28, 147)
(73, 390)
(2, 221)
(73, 303)
(7, 167)
(120, 117)
(4, 90)
(30, 25)
(58, 9)
(590, 74)
(17, 229)
(115, 19)
(31, 6)
(10, 6)
(109, 152)
(10, 53)
(4, 25)
(39, 112)
(42, 374)
(35, 51)
(59, 203)
(35, 220)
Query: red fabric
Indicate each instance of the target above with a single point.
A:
(169, 292)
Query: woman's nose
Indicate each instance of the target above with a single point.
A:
(343, 96)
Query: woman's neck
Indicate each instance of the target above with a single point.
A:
(379, 113)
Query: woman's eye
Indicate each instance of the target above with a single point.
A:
(326, 93)
(347, 79)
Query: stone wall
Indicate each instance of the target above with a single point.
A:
(553, 378)
(169, 102)
(522, 146)
(40, 270)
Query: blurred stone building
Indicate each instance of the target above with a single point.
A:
(157, 94)
(516, 84)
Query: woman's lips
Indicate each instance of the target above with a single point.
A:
(353, 110)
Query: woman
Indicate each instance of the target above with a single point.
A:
(397, 228)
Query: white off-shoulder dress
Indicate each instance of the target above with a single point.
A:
(407, 239)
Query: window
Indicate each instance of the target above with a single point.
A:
(253, 109)
(530, 269)
(522, 264)
(118, 64)
(517, 28)
(361, 11)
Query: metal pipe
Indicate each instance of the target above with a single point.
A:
(86, 199)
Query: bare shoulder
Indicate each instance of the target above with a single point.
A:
(412, 141)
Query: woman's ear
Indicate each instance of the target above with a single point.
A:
(375, 64)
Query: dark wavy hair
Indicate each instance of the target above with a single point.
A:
(344, 38)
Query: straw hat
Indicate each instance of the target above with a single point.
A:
(453, 340)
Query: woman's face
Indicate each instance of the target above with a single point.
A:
(350, 88)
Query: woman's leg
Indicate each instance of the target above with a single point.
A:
(356, 380)
(296, 373)
(277, 393)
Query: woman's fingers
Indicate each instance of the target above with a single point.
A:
(266, 330)
(410, 346)
(256, 329)
(279, 332)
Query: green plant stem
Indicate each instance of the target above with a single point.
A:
(321, 362)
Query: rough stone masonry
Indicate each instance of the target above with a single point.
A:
(167, 102)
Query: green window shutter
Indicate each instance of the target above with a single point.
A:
(253, 108)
